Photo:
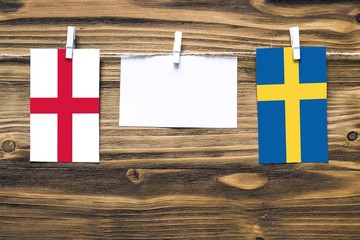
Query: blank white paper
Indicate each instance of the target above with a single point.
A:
(200, 92)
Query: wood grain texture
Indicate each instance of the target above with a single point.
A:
(179, 183)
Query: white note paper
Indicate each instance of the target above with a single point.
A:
(200, 92)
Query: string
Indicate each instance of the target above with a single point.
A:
(149, 54)
(125, 54)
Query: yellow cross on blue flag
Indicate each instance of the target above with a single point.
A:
(291, 97)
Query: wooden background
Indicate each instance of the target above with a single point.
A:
(180, 183)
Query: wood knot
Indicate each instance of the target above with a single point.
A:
(245, 181)
(135, 176)
(259, 238)
(8, 146)
(358, 18)
(352, 136)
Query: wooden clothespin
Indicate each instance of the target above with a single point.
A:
(70, 42)
(177, 47)
(295, 42)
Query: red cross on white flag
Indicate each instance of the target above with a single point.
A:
(64, 106)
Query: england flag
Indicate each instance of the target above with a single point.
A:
(64, 106)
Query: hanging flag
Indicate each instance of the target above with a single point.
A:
(64, 106)
(291, 98)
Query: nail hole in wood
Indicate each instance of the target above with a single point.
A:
(135, 176)
(8, 146)
(352, 136)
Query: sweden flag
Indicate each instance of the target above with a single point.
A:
(291, 98)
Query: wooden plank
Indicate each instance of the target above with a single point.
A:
(179, 183)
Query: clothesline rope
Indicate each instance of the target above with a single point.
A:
(129, 54)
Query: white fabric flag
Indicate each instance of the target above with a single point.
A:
(199, 92)
(64, 105)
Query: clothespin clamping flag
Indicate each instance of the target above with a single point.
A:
(291, 97)
(70, 42)
(295, 42)
(64, 104)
